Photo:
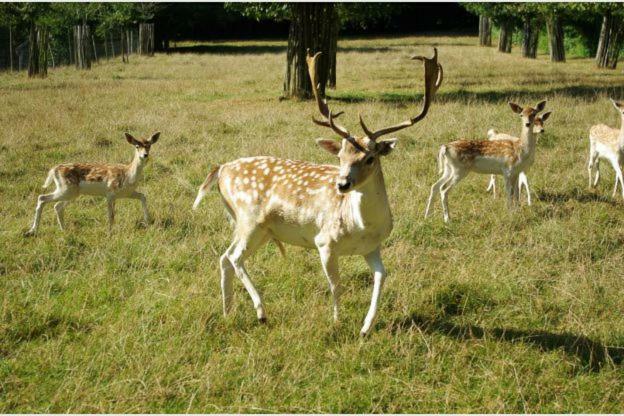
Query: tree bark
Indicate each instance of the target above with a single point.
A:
(556, 47)
(146, 39)
(485, 31)
(95, 57)
(333, 49)
(310, 28)
(82, 46)
(504, 41)
(11, 52)
(610, 42)
(124, 51)
(530, 38)
(33, 51)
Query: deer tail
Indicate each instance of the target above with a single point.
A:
(203, 189)
(441, 155)
(50, 178)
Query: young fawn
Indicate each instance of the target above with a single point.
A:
(112, 181)
(500, 157)
(607, 143)
(337, 210)
(538, 128)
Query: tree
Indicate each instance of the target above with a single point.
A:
(484, 11)
(554, 14)
(611, 37)
(9, 18)
(504, 15)
(531, 25)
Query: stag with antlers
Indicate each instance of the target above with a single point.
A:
(338, 210)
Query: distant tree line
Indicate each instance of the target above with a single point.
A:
(530, 18)
(67, 32)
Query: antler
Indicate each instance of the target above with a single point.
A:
(322, 103)
(433, 80)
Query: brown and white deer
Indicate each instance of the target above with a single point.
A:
(607, 143)
(501, 157)
(338, 210)
(493, 135)
(112, 181)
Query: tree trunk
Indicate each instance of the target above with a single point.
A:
(485, 31)
(51, 54)
(106, 47)
(112, 45)
(310, 28)
(530, 38)
(33, 51)
(82, 46)
(95, 57)
(124, 51)
(333, 49)
(146, 39)
(11, 52)
(504, 41)
(610, 42)
(554, 27)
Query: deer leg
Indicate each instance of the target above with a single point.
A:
(444, 192)
(330, 267)
(492, 185)
(41, 201)
(59, 208)
(618, 178)
(110, 200)
(141, 197)
(524, 182)
(244, 246)
(593, 166)
(435, 189)
(379, 276)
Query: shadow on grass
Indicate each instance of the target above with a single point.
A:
(591, 353)
(464, 96)
(229, 49)
(574, 195)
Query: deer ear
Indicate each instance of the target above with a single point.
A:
(332, 146)
(515, 107)
(546, 115)
(154, 137)
(130, 138)
(384, 147)
(540, 106)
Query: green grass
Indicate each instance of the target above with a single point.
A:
(496, 312)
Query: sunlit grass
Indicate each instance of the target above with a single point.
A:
(495, 312)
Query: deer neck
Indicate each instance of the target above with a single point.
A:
(135, 169)
(621, 135)
(367, 206)
(528, 139)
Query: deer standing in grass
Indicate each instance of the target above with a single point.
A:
(338, 210)
(493, 135)
(499, 157)
(112, 181)
(607, 143)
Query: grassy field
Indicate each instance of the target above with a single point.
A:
(495, 312)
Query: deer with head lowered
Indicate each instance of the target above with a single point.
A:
(112, 181)
(493, 135)
(607, 143)
(337, 210)
(499, 157)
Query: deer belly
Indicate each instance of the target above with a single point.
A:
(491, 165)
(295, 234)
(93, 188)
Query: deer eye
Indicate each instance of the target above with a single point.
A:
(370, 160)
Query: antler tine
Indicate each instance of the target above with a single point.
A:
(433, 79)
(321, 102)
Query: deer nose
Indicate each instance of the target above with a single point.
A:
(344, 184)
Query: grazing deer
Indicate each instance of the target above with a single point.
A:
(339, 210)
(112, 181)
(607, 143)
(538, 128)
(500, 157)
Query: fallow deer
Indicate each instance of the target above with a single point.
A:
(607, 143)
(339, 210)
(501, 157)
(493, 135)
(112, 181)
